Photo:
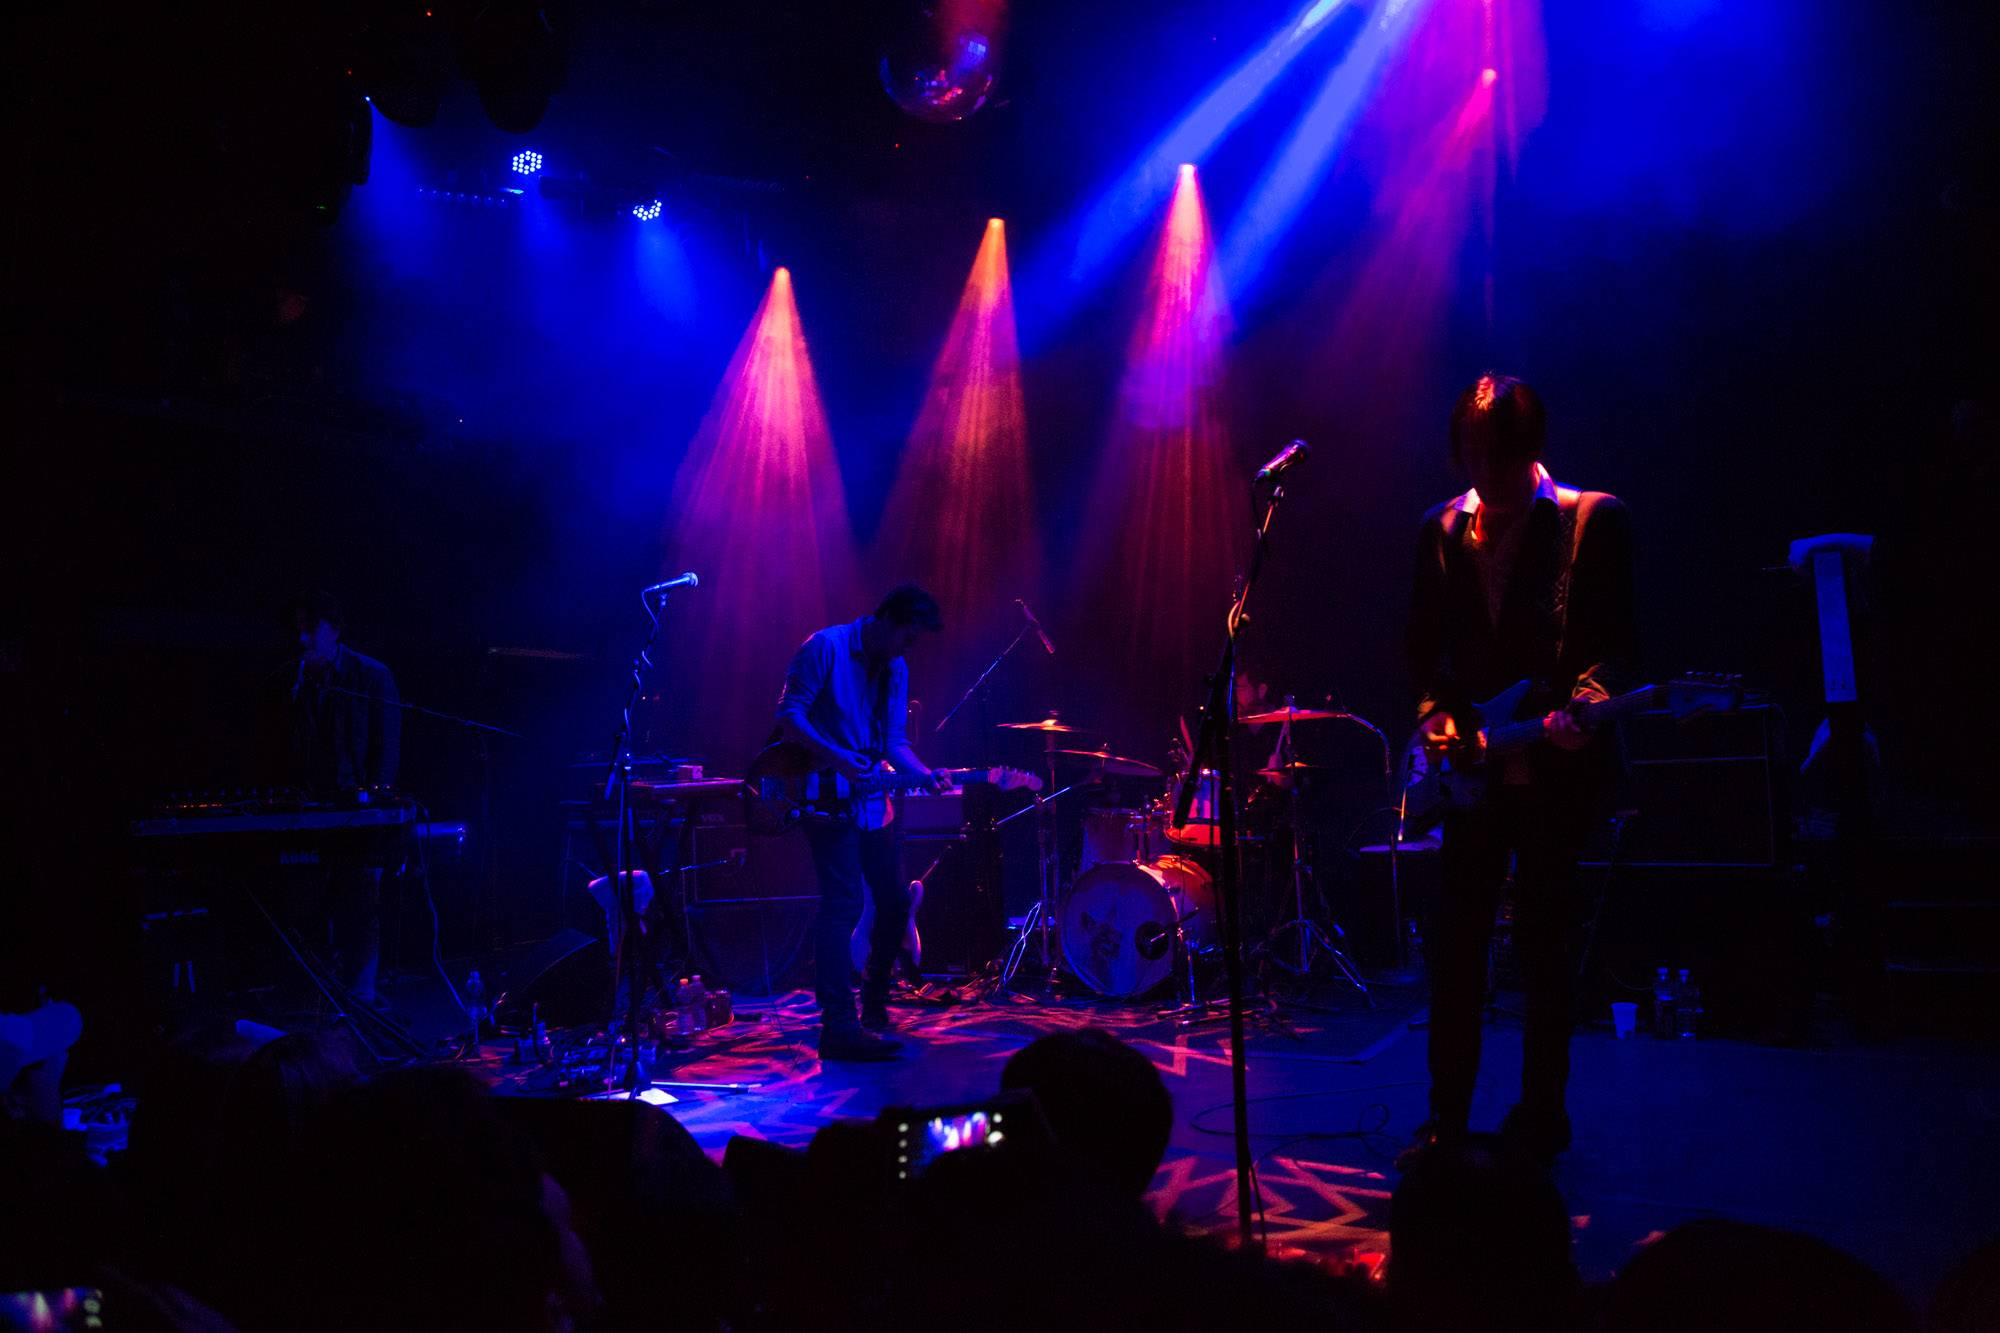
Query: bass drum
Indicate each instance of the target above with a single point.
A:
(1118, 922)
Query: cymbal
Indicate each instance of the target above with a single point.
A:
(1115, 765)
(1046, 724)
(1291, 715)
(1293, 771)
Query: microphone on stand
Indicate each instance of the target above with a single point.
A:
(1283, 461)
(1035, 625)
(687, 580)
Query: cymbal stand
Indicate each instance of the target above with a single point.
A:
(1041, 917)
(1311, 938)
(1192, 1008)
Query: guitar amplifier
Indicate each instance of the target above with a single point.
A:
(750, 909)
(1709, 790)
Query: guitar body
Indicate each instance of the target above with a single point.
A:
(910, 953)
(785, 788)
(1437, 778)
(1453, 778)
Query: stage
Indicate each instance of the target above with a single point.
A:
(1885, 1150)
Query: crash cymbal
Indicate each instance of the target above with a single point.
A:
(1114, 765)
(1291, 715)
(1046, 724)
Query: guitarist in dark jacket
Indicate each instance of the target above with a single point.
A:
(846, 699)
(1518, 578)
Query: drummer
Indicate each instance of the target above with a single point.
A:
(1261, 745)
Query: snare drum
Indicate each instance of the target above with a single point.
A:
(1115, 834)
(1118, 922)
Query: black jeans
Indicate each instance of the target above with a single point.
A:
(851, 864)
(1540, 829)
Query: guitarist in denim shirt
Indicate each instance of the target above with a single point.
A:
(1518, 578)
(846, 699)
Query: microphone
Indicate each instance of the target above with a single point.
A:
(687, 580)
(1283, 461)
(1035, 625)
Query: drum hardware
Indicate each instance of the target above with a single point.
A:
(1114, 765)
(1046, 838)
(1290, 713)
(1202, 825)
(1120, 920)
(1294, 772)
(1041, 918)
(1121, 833)
(1049, 724)
(1037, 922)
(1312, 938)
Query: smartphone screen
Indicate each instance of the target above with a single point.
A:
(921, 1142)
(62, 1309)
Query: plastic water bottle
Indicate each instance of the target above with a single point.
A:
(1688, 1011)
(475, 1003)
(691, 1003)
(1664, 1017)
(545, 1049)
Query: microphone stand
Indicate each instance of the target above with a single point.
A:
(980, 683)
(1212, 750)
(617, 792)
(988, 850)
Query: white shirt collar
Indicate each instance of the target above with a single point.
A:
(1545, 489)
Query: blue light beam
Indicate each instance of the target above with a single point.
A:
(1281, 192)
(1133, 201)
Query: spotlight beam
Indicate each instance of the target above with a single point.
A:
(1133, 200)
(1281, 192)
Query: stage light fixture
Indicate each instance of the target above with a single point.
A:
(646, 212)
(527, 162)
(1488, 75)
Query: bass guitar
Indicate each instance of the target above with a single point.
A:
(1452, 776)
(787, 787)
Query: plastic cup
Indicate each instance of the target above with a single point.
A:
(1624, 1019)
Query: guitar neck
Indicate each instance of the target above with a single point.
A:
(1516, 735)
(899, 782)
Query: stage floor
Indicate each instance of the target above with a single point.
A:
(1887, 1150)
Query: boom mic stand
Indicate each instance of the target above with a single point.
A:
(617, 791)
(1040, 918)
(1212, 751)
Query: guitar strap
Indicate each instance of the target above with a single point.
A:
(1572, 536)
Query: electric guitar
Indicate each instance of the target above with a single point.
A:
(910, 953)
(1451, 776)
(786, 788)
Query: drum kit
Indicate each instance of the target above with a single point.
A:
(1135, 901)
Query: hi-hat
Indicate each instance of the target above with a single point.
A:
(1291, 715)
(1293, 771)
(1114, 765)
(1046, 724)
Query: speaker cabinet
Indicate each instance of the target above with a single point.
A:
(1708, 790)
(750, 908)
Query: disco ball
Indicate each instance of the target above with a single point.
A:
(941, 68)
